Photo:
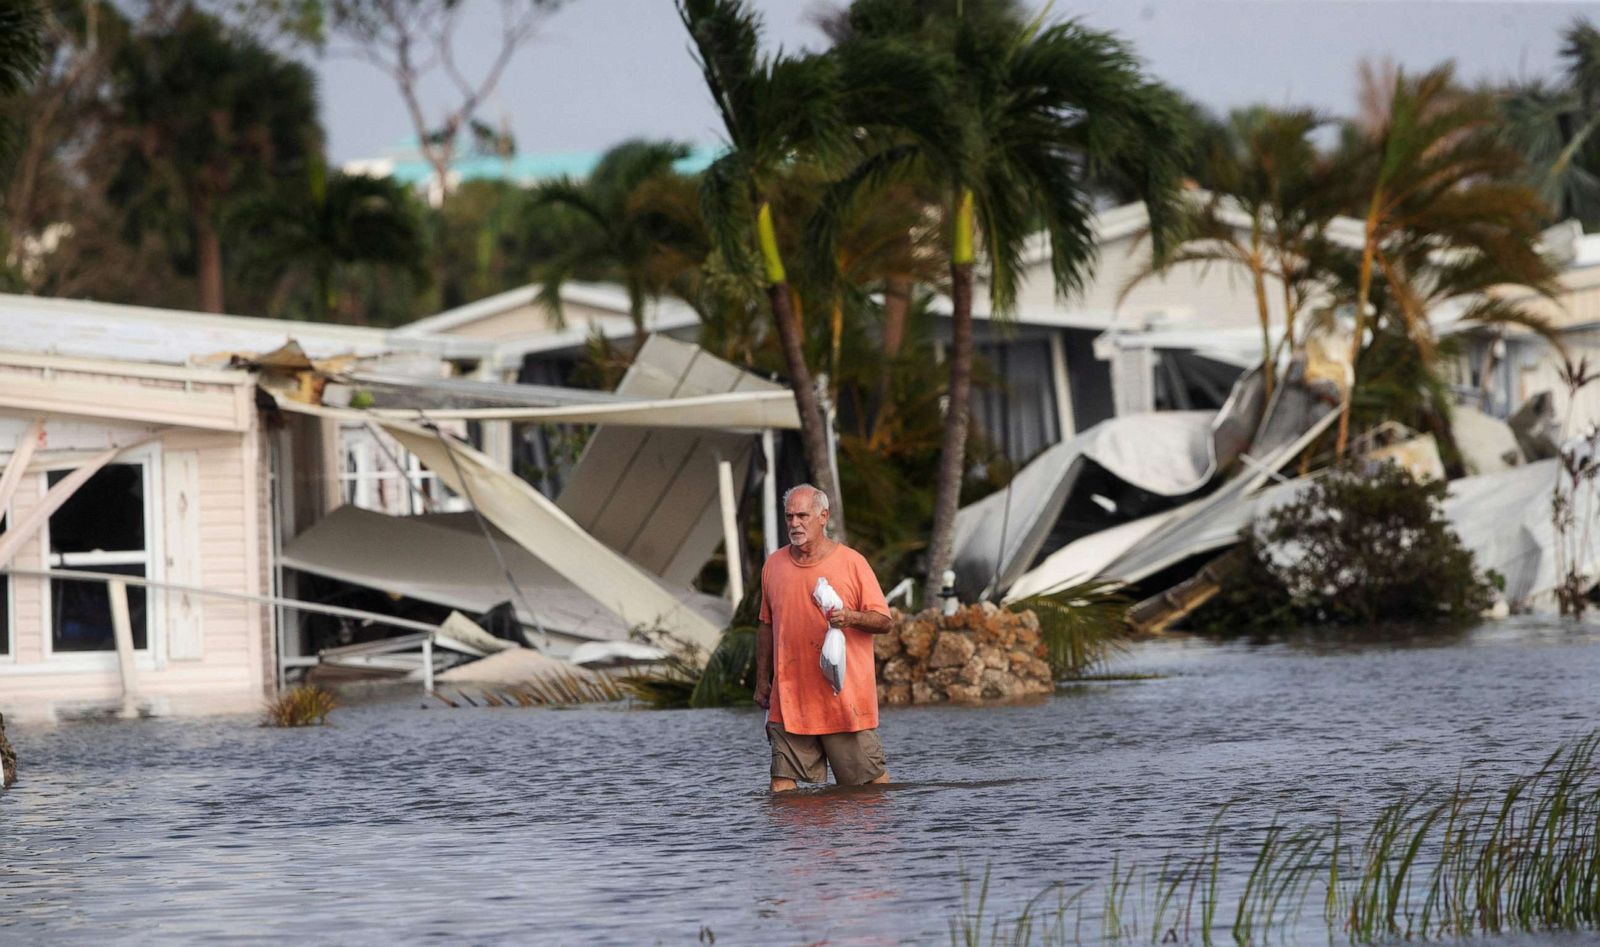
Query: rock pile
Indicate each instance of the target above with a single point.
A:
(982, 652)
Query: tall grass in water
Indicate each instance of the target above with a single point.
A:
(1464, 863)
(300, 707)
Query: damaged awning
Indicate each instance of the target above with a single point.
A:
(444, 558)
(742, 411)
(536, 524)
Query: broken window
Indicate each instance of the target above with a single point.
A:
(100, 528)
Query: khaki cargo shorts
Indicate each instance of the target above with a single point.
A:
(855, 758)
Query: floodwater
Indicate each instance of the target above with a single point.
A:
(603, 825)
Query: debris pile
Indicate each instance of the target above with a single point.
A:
(982, 652)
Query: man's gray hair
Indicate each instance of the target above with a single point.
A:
(819, 499)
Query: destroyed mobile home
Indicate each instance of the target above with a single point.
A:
(175, 523)
(1151, 502)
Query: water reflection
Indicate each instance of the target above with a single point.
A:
(606, 826)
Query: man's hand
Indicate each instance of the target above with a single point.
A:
(871, 622)
(763, 695)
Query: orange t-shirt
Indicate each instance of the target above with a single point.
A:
(802, 699)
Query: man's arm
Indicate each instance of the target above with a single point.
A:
(875, 623)
(763, 692)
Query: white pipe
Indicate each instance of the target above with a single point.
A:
(769, 494)
(1062, 383)
(338, 610)
(730, 532)
(122, 631)
(427, 665)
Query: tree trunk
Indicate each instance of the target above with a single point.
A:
(813, 426)
(896, 307)
(1363, 293)
(1258, 279)
(208, 251)
(953, 451)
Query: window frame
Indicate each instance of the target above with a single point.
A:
(153, 655)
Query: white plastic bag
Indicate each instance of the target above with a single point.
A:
(832, 659)
(826, 598)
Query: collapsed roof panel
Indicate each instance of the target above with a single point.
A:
(637, 598)
(651, 493)
(1168, 454)
(444, 559)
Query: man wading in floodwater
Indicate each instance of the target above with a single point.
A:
(809, 726)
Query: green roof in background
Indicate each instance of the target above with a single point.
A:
(409, 168)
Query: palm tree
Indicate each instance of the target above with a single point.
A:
(1554, 125)
(1271, 198)
(328, 223)
(205, 118)
(790, 115)
(21, 44)
(774, 111)
(1042, 109)
(1443, 212)
(619, 229)
(21, 58)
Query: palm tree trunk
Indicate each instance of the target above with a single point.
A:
(1363, 293)
(1286, 344)
(208, 249)
(896, 307)
(1264, 312)
(324, 290)
(837, 340)
(813, 427)
(953, 450)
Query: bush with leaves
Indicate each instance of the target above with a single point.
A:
(1354, 548)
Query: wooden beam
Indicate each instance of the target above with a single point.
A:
(19, 461)
(19, 532)
(1156, 614)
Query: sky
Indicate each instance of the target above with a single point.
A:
(601, 71)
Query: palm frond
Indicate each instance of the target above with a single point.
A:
(728, 679)
(1083, 625)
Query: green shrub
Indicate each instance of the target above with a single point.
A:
(1355, 549)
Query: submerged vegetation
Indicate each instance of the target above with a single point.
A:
(1463, 863)
(301, 707)
(1354, 548)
